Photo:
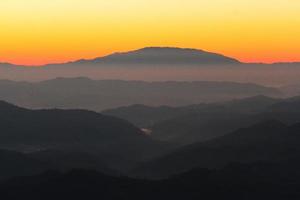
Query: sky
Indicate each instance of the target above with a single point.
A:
(36, 32)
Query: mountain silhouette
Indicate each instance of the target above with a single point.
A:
(260, 180)
(189, 124)
(161, 64)
(287, 105)
(14, 164)
(17, 164)
(146, 116)
(64, 161)
(114, 140)
(162, 56)
(198, 122)
(270, 141)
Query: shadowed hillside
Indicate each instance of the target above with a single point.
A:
(147, 116)
(254, 181)
(115, 141)
(270, 141)
(200, 122)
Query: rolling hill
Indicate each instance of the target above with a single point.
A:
(270, 141)
(15, 164)
(114, 140)
(237, 181)
(189, 124)
(146, 116)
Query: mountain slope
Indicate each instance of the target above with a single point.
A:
(64, 161)
(270, 141)
(254, 181)
(200, 123)
(14, 164)
(114, 140)
(147, 116)
(291, 105)
(17, 164)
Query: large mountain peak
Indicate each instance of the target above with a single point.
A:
(164, 56)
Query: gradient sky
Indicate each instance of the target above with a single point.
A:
(46, 31)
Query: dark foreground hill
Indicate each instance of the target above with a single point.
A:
(253, 181)
(17, 164)
(14, 164)
(160, 56)
(270, 141)
(114, 140)
(64, 161)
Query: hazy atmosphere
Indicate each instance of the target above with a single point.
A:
(140, 99)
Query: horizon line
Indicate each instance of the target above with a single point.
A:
(116, 52)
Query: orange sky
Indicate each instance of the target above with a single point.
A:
(35, 32)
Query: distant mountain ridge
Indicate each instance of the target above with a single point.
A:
(146, 116)
(162, 56)
(161, 64)
(98, 95)
(188, 124)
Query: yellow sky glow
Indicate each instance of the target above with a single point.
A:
(38, 32)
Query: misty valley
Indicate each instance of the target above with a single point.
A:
(77, 138)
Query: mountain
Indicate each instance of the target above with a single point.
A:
(189, 124)
(17, 164)
(290, 90)
(161, 64)
(254, 104)
(65, 161)
(147, 116)
(98, 95)
(14, 164)
(114, 140)
(270, 141)
(291, 105)
(162, 56)
(237, 181)
(199, 124)
(194, 123)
